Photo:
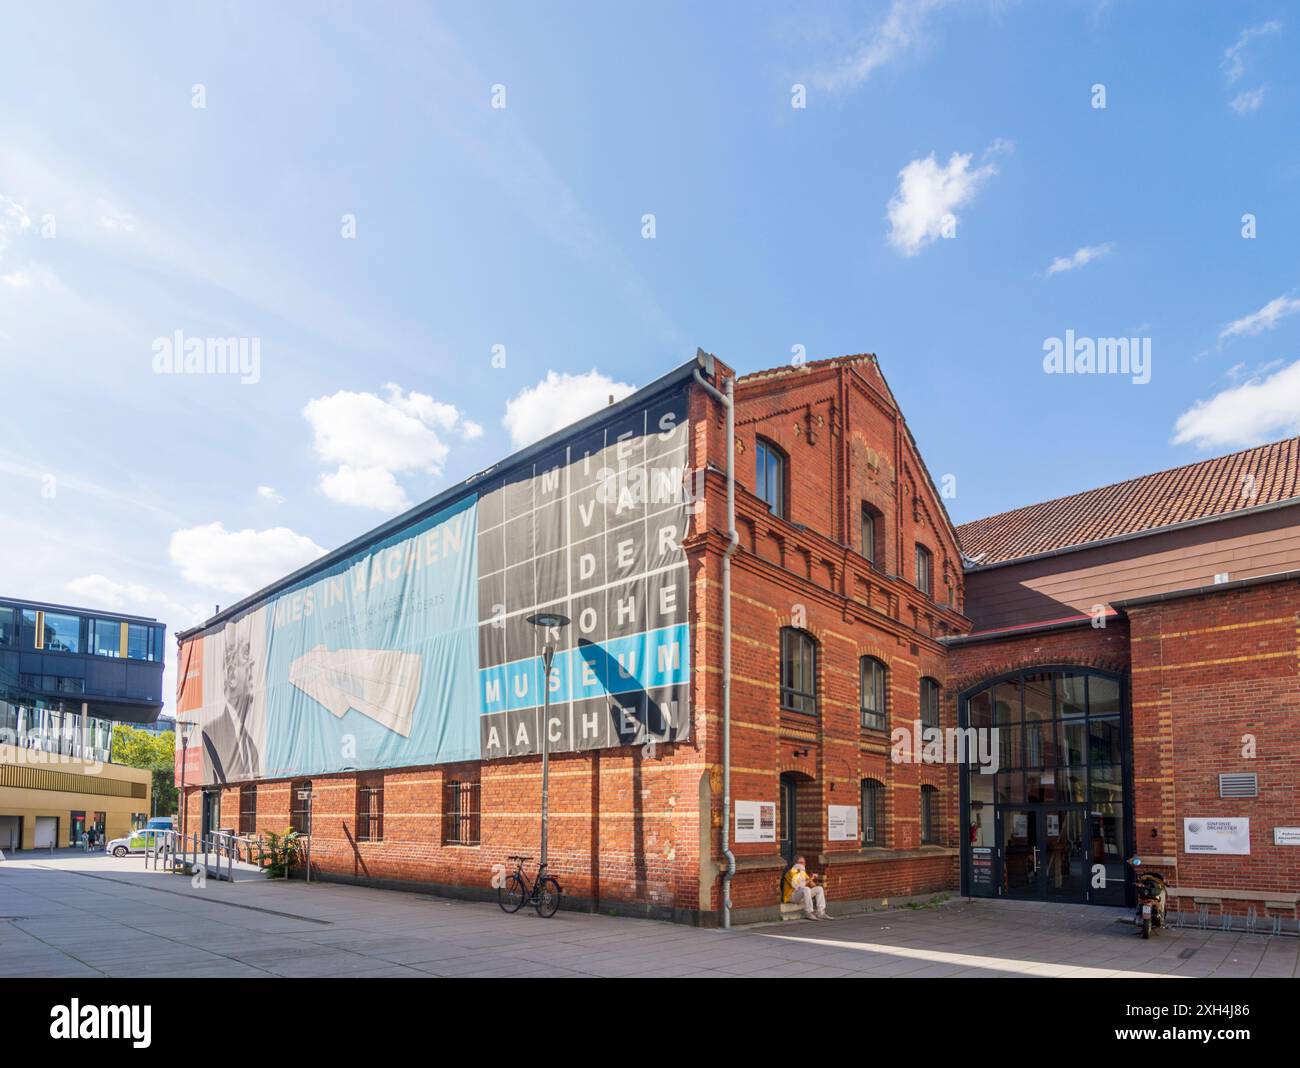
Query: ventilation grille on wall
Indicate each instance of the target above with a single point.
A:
(1239, 784)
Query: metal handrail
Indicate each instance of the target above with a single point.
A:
(170, 848)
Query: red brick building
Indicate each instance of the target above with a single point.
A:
(1090, 631)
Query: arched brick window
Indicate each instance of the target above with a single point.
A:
(874, 687)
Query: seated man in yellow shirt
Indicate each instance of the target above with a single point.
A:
(801, 888)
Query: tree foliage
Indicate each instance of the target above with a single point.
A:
(151, 752)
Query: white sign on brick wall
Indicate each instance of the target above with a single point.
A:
(1217, 835)
(755, 821)
(842, 823)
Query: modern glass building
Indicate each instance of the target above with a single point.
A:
(66, 676)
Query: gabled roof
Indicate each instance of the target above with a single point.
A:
(1252, 478)
(853, 360)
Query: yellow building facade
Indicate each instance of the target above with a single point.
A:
(47, 800)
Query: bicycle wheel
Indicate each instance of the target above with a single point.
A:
(512, 894)
(546, 899)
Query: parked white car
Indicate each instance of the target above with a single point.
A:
(135, 842)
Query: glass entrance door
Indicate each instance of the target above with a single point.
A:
(1021, 852)
(1065, 873)
(1044, 851)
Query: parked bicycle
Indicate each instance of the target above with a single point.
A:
(516, 892)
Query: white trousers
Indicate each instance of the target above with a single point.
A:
(810, 897)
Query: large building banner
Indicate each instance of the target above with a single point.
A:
(418, 650)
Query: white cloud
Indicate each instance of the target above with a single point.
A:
(373, 439)
(365, 487)
(1233, 65)
(1081, 258)
(239, 561)
(1265, 319)
(902, 29)
(19, 279)
(267, 493)
(99, 591)
(1258, 410)
(928, 195)
(556, 401)
(1247, 101)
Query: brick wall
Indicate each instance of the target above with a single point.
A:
(1215, 680)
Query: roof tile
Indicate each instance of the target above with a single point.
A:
(1263, 475)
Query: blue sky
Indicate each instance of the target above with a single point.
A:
(128, 214)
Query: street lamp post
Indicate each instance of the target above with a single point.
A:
(551, 622)
(186, 727)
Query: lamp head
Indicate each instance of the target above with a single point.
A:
(549, 620)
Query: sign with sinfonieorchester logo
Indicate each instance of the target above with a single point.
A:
(592, 531)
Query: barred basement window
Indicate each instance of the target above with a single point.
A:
(460, 810)
(929, 703)
(370, 809)
(798, 671)
(873, 676)
(873, 813)
(929, 815)
(248, 809)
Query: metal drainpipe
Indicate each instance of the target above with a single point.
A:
(728, 401)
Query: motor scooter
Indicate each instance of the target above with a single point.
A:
(1151, 897)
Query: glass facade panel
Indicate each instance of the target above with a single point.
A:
(1072, 784)
(1038, 696)
(1071, 696)
(1072, 745)
(1039, 749)
(980, 709)
(105, 637)
(1006, 703)
(1105, 741)
(1010, 747)
(8, 626)
(62, 633)
(1103, 696)
(1040, 786)
(981, 810)
(137, 641)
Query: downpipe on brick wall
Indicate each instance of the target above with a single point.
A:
(728, 401)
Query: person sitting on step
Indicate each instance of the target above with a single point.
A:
(799, 887)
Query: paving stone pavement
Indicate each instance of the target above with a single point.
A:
(75, 914)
